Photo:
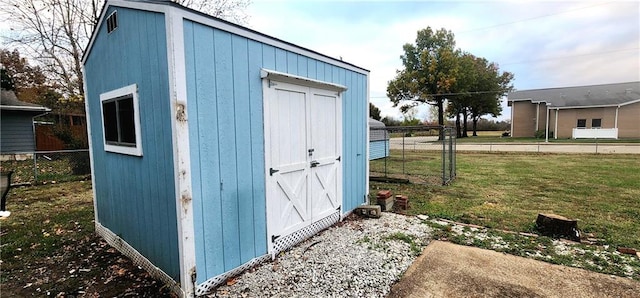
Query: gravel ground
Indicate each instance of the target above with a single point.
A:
(355, 258)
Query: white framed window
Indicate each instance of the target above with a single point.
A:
(121, 121)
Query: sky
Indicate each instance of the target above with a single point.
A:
(544, 44)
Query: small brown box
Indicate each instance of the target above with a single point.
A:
(402, 202)
(383, 194)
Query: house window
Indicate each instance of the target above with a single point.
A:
(77, 120)
(112, 22)
(121, 121)
(582, 123)
(596, 123)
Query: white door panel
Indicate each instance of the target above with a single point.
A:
(303, 156)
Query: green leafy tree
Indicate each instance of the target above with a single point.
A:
(429, 73)
(480, 85)
(374, 112)
(494, 84)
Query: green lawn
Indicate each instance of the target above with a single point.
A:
(507, 191)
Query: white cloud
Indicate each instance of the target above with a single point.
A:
(545, 44)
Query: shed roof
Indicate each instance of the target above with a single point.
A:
(377, 131)
(375, 123)
(197, 16)
(9, 101)
(618, 94)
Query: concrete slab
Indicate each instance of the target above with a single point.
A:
(449, 270)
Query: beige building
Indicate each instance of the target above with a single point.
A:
(610, 111)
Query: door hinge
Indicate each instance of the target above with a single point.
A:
(339, 158)
(272, 171)
(271, 84)
(274, 237)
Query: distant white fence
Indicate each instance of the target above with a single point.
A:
(595, 133)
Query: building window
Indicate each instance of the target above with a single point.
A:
(596, 123)
(121, 121)
(112, 22)
(77, 120)
(582, 123)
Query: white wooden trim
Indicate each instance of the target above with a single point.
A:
(366, 193)
(181, 151)
(555, 132)
(127, 90)
(298, 80)
(537, 116)
(546, 139)
(616, 120)
(588, 107)
(513, 108)
(266, 110)
(25, 108)
(89, 139)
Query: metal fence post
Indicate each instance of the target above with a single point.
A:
(444, 159)
(35, 168)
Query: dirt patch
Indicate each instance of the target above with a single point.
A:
(449, 270)
(49, 248)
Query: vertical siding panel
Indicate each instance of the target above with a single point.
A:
(194, 144)
(362, 125)
(281, 60)
(209, 151)
(320, 71)
(243, 145)
(268, 57)
(292, 63)
(328, 76)
(348, 144)
(227, 145)
(302, 66)
(144, 220)
(134, 57)
(312, 69)
(257, 148)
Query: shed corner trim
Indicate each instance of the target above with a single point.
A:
(298, 80)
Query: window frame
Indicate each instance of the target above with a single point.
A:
(115, 95)
(592, 124)
(578, 123)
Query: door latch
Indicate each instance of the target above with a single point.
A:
(310, 152)
(314, 164)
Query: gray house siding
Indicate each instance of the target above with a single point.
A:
(17, 132)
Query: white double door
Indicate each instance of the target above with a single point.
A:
(303, 143)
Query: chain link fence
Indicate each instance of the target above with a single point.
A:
(42, 167)
(413, 154)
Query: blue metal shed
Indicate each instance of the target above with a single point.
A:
(378, 140)
(213, 146)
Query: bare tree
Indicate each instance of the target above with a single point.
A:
(230, 10)
(55, 33)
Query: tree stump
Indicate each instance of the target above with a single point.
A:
(558, 226)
